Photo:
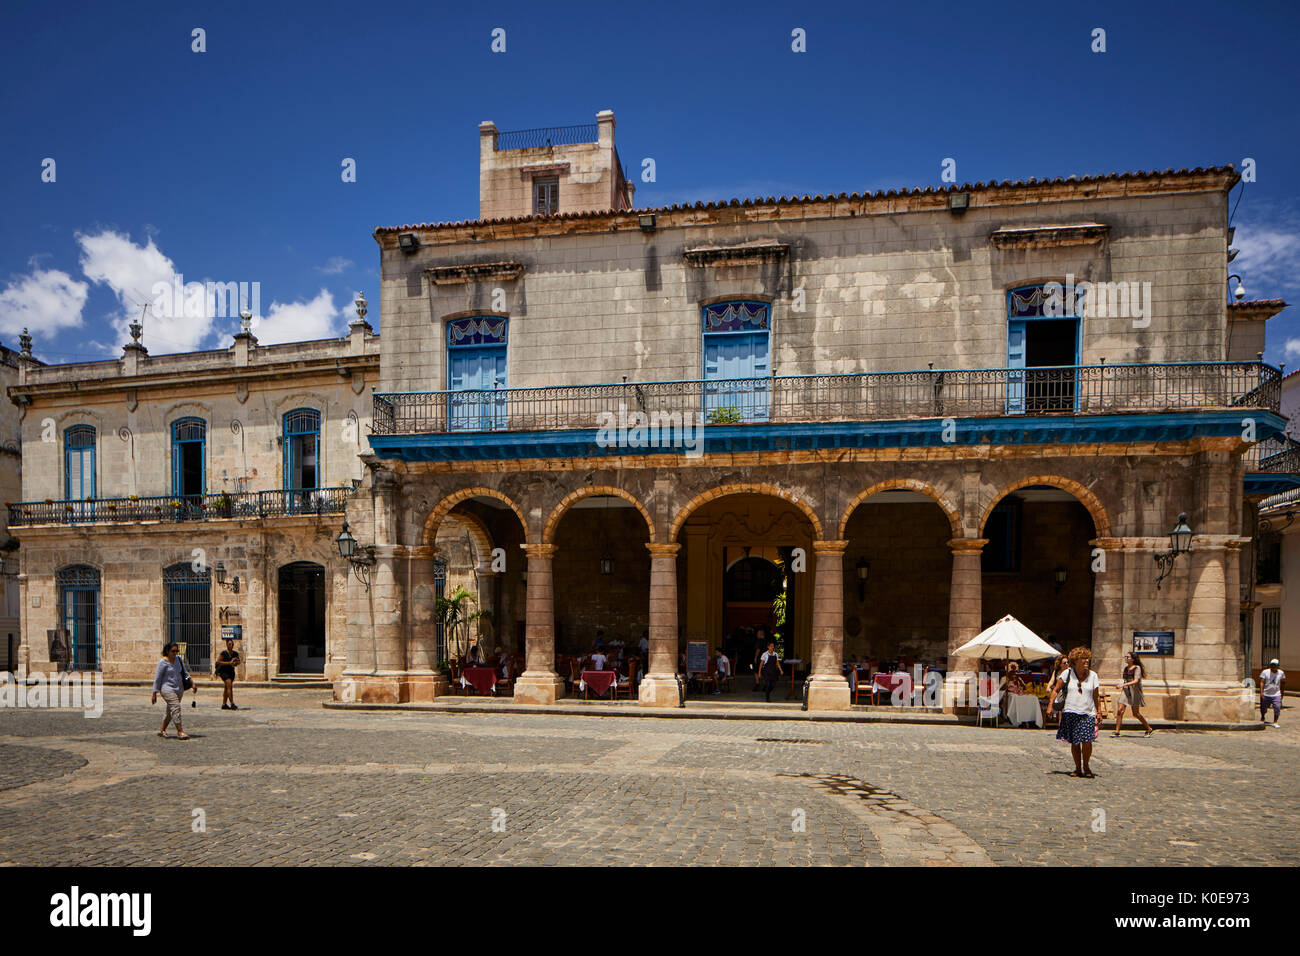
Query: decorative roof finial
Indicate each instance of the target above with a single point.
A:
(25, 344)
(361, 306)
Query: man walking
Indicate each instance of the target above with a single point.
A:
(1271, 680)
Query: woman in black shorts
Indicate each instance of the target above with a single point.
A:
(226, 671)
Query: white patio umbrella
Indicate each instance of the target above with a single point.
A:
(1010, 639)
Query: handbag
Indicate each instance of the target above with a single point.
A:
(186, 683)
(1059, 702)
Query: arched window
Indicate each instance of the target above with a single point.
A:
(188, 597)
(476, 368)
(737, 364)
(78, 588)
(79, 463)
(302, 448)
(189, 457)
(1044, 327)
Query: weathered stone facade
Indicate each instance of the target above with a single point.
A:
(145, 549)
(857, 286)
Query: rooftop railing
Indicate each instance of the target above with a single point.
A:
(548, 136)
(867, 396)
(283, 502)
(1274, 455)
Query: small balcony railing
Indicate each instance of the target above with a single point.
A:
(867, 396)
(548, 136)
(282, 502)
(1279, 456)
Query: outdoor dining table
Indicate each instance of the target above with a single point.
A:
(482, 679)
(889, 683)
(793, 663)
(599, 681)
(1024, 709)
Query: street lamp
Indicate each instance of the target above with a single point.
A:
(220, 571)
(1180, 542)
(1238, 293)
(863, 568)
(360, 557)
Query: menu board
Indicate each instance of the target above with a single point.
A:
(697, 657)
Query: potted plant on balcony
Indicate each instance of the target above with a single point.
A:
(223, 504)
(726, 415)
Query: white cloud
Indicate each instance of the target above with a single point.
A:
(135, 273)
(301, 321)
(1269, 259)
(336, 266)
(43, 302)
(1292, 349)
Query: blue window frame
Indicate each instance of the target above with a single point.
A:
(476, 373)
(302, 448)
(79, 469)
(189, 612)
(737, 360)
(78, 586)
(1044, 332)
(189, 458)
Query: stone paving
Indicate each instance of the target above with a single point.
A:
(286, 781)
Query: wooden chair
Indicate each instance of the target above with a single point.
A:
(453, 667)
(626, 685)
(506, 683)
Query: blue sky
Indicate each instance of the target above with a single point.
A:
(225, 165)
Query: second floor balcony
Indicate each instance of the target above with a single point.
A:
(222, 506)
(1092, 403)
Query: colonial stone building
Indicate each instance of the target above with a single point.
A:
(10, 487)
(921, 411)
(185, 496)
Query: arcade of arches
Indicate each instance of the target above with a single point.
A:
(895, 571)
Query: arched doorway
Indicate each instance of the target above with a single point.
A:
(897, 578)
(301, 587)
(750, 587)
(1037, 564)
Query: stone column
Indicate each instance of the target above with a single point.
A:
(1108, 644)
(829, 689)
(659, 685)
(1211, 666)
(1232, 600)
(24, 625)
(539, 684)
(423, 677)
(965, 612)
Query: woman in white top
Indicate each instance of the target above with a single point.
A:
(1081, 715)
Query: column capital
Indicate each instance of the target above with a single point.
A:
(392, 551)
(420, 551)
(968, 545)
(659, 550)
(830, 547)
(540, 550)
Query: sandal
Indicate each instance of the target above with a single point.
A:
(1117, 734)
(1089, 774)
(182, 736)
(164, 736)
(1074, 773)
(1149, 732)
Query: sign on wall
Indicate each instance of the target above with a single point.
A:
(1153, 642)
(232, 632)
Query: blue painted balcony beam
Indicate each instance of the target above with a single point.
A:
(814, 436)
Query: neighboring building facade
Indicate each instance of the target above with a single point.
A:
(10, 489)
(908, 433)
(151, 483)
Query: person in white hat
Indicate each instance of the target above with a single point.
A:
(1271, 679)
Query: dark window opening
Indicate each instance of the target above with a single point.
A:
(1002, 531)
(546, 196)
(1268, 564)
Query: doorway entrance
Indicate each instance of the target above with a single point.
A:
(302, 618)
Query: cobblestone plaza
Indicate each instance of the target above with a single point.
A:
(284, 781)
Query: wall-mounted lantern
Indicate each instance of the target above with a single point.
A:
(360, 557)
(1180, 542)
(220, 572)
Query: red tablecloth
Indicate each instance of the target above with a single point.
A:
(482, 679)
(891, 682)
(599, 681)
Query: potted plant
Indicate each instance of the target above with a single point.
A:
(223, 504)
(726, 415)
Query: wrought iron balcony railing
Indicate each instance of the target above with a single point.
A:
(1279, 456)
(867, 396)
(548, 136)
(282, 502)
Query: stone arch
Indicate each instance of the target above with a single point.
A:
(910, 484)
(722, 491)
(591, 491)
(477, 530)
(444, 506)
(1100, 520)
